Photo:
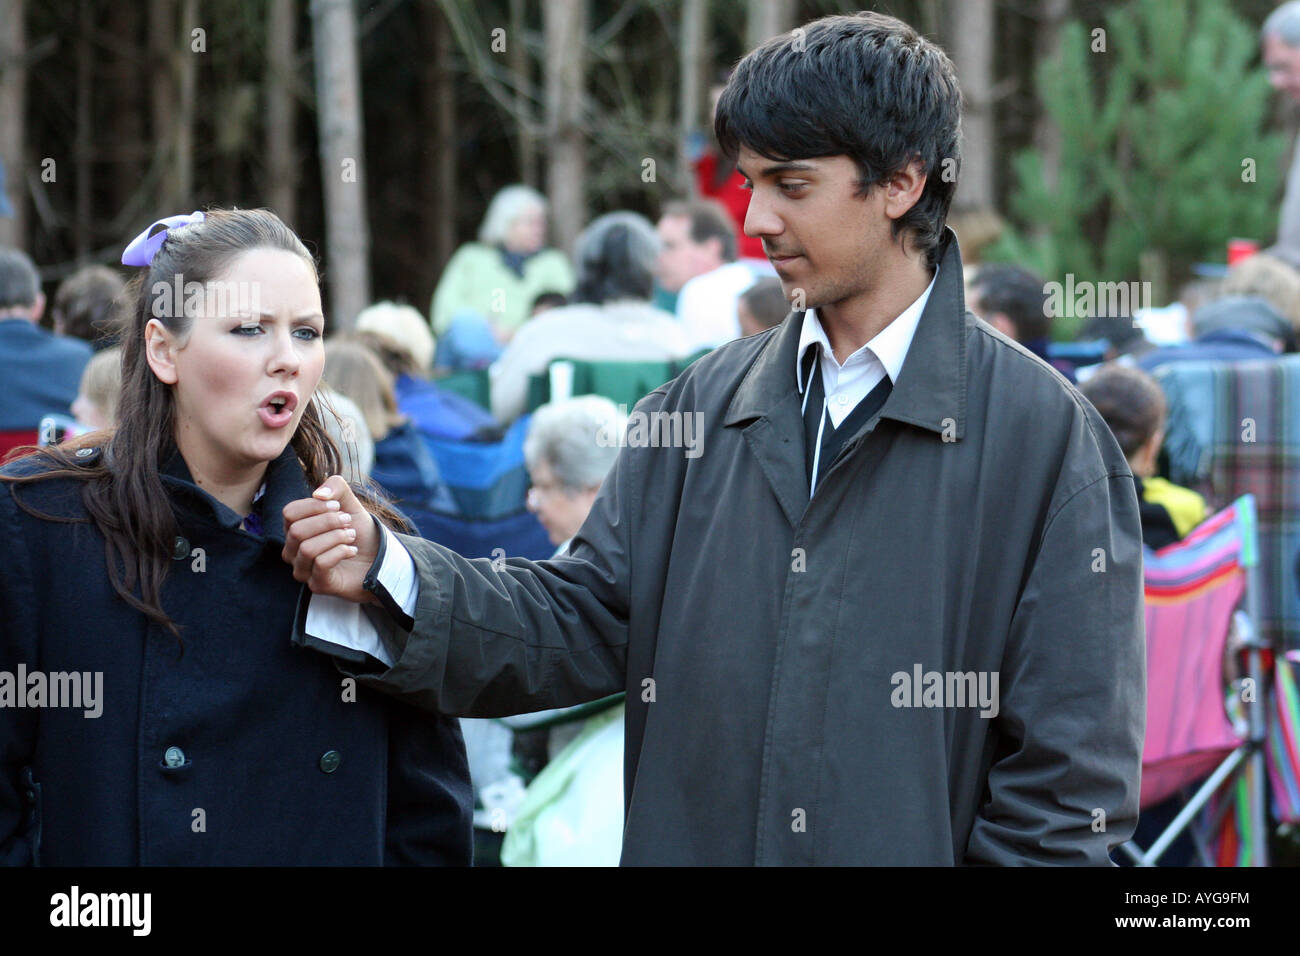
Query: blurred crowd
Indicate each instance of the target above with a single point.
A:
(506, 310)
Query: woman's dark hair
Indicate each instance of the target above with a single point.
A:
(1130, 401)
(122, 491)
(865, 86)
(615, 259)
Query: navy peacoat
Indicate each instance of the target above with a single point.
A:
(230, 747)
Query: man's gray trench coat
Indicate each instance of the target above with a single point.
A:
(984, 521)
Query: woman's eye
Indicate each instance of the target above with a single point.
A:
(309, 334)
(248, 330)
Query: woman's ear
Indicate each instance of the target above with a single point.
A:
(159, 350)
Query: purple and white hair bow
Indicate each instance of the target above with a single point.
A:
(146, 245)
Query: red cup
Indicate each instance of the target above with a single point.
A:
(1239, 249)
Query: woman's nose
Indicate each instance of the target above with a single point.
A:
(285, 358)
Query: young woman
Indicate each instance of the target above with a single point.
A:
(157, 712)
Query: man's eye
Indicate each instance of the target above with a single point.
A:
(791, 188)
(747, 185)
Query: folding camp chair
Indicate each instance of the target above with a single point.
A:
(1194, 589)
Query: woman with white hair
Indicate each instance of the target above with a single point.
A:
(487, 290)
(611, 318)
(570, 447)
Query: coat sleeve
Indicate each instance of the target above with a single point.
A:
(1063, 787)
(493, 638)
(430, 800)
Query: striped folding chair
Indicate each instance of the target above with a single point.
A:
(1195, 591)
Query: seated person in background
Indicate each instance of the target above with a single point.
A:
(403, 465)
(347, 426)
(96, 404)
(488, 286)
(401, 338)
(1232, 329)
(1133, 406)
(85, 307)
(762, 306)
(611, 318)
(1014, 301)
(567, 456)
(697, 261)
(41, 371)
(545, 301)
(1265, 277)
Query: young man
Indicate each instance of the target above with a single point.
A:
(882, 602)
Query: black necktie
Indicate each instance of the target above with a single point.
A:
(832, 438)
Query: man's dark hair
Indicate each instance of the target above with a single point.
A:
(709, 220)
(86, 303)
(766, 302)
(19, 281)
(1015, 292)
(865, 86)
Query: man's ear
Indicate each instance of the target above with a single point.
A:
(38, 307)
(903, 189)
(160, 351)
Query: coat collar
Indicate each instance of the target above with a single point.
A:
(285, 482)
(931, 388)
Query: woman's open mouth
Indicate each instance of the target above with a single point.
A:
(277, 409)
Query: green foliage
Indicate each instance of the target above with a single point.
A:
(1156, 131)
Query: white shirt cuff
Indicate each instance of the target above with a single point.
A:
(337, 620)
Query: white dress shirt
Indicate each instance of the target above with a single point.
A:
(340, 621)
(846, 385)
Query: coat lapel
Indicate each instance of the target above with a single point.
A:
(768, 405)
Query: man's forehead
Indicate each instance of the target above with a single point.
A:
(753, 163)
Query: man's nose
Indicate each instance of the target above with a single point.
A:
(760, 220)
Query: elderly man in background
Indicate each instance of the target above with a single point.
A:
(1280, 48)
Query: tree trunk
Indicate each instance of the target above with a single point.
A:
(163, 59)
(767, 18)
(338, 96)
(438, 152)
(128, 148)
(1047, 40)
(691, 68)
(83, 136)
(972, 53)
(13, 112)
(281, 111)
(521, 67)
(183, 132)
(564, 28)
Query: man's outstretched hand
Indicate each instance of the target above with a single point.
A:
(331, 541)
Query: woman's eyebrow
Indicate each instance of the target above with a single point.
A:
(249, 314)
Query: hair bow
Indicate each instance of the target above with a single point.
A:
(146, 245)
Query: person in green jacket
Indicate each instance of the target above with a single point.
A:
(487, 289)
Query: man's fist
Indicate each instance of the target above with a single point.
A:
(331, 541)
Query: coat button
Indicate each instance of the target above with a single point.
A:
(174, 757)
(182, 549)
(330, 760)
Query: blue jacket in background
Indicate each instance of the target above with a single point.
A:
(41, 372)
(1223, 345)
